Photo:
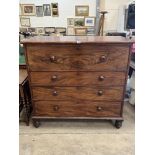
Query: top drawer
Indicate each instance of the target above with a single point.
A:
(77, 57)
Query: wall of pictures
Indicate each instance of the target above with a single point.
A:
(57, 16)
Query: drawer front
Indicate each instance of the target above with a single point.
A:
(77, 109)
(77, 78)
(71, 58)
(80, 93)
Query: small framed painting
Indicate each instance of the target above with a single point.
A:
(79, 22)
(70, 21)
(47, 9)
(80, 31)
(32, 30)
(82, 10)
(40, 30)
(55, 10)
(90, 21)
(49, 30)
(21, 29)
(70, 31)
(28, 9)
(39, 11)
(90, 31)
(54, 5)
(60, 30)
(25, 22)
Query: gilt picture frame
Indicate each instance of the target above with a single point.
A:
(80, 31)
(78, 22)
(32, 30)
(82, 10)
(22, 29)
(55, 9)
(25, 22)
(28, 9)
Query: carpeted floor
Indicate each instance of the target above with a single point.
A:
(79, 137)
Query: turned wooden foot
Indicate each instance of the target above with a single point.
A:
(118, 124)
(36, 123)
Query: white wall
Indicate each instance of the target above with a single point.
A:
(66, 9)
(114, 20)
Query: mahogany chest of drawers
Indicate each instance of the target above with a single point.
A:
(77, 77)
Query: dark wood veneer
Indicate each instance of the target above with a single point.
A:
(76, 93)
(77, 77)
(53, 58)
(77, 109)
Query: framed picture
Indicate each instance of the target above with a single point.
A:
(49, 30)
(79, 22)
(60, 30)
(55, 11)
(39, 11)
(21, 29)
(40, 30)
(32, 29)
(25, 22)
(28, 9)
(47, 9)
(70, 31)
(70, 21)
(54, 5)
(90, 21)
(82, 10)
(80, 31)
(90, 31)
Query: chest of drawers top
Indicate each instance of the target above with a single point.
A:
(77, 39)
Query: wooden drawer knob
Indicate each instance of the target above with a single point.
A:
(54, 77)
(53, 58)
(55, 93)
(103, 58)
(55, 107)
(100, 92)
(99, 108)
(101, 78)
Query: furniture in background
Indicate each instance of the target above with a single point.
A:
(24, 95)
(21, 55)
(123, 34)
(101, 23)
(77, 77)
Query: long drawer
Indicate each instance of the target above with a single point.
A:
(77, 93)
(77, 109)
(69, 58)
(77, 78)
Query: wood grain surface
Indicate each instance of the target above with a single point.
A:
(77, 78)
(68, 58)
(77, 109)
(77, 39)
(77, 93)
